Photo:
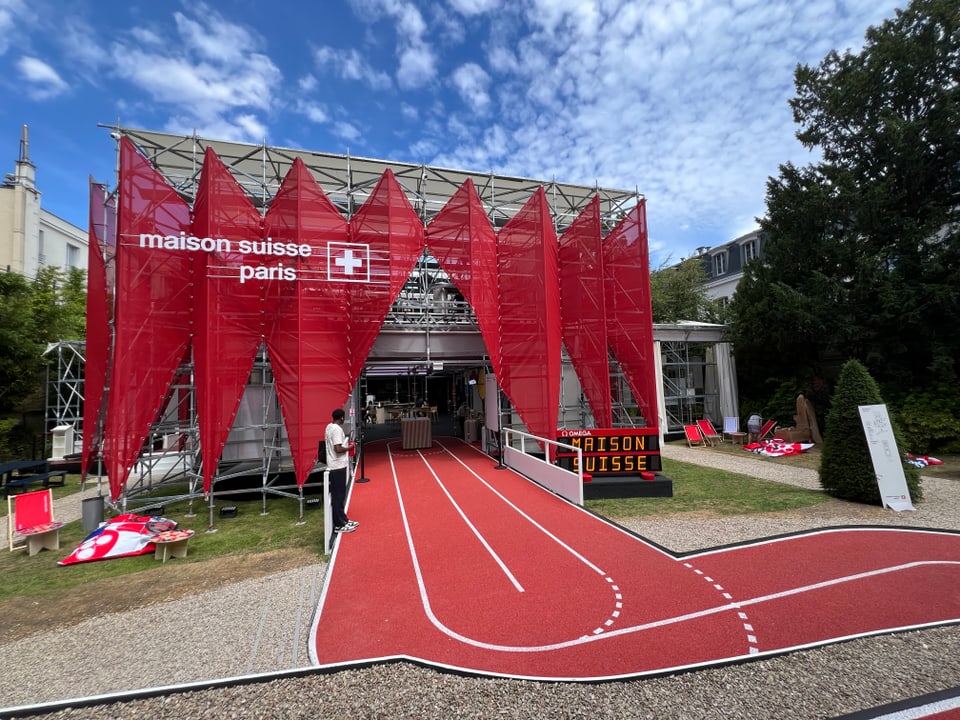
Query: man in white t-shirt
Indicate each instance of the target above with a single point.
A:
(338, 461)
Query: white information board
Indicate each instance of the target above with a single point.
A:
(886, 457)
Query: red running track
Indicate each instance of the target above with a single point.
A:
(462, 566)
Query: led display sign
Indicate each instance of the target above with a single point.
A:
(611, 451)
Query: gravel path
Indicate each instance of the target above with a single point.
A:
(261, 626)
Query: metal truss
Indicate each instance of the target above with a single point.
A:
(348, 180)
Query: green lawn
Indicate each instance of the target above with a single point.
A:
(249, 533)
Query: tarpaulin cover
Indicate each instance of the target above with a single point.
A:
(530, 315)
(629, 314)
(231, 315)
(151, 319)
(121, 536)
(99, 314)
(306, 344)
(582, 309)
(464, 243)
(386, 240)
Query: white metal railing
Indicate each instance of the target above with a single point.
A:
(563, 482)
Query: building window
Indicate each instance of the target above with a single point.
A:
(73, 253)
(749, 251)
(41, 249)
(719, 264)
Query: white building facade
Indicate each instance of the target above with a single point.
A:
(31, 237)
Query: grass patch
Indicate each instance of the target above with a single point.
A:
(250, 533)
(702, 490)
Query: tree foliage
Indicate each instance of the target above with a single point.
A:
(846, 468)
(33, 314)
(677, 293)
(863, 250)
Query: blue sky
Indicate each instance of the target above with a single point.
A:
(685, 101)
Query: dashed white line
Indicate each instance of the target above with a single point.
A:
(751, 638)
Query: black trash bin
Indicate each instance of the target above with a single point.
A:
(91, 513)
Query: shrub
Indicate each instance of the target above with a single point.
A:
(846, 469)
(930, 420)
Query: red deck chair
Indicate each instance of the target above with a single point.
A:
(694, 436)
(709, 432)
(767, 429)
(30, 515)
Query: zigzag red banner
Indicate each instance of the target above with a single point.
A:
(314, 289)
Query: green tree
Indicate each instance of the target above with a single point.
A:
(863, 250)
(32, 314)
(677, 293)
(846, 468)
(19, 347)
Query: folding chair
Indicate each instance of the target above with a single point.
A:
(694, 436)
(30, 515)
(767, 429)
(708, 431)
(731, 429)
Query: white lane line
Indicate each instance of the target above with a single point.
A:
(529, 519)
(664, 622)
(618, 597)
(472, 527)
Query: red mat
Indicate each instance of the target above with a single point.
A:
(462, 566)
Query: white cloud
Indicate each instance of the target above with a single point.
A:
(80, 46)
(213, 38)
(13, 13)
(350, 65)
(241, 128)
(474, 7)
(417, 66)
(210, 75)
(346, 131)
(416, 59)
(312, 111)
(43, 81)
(471, 82)
(687, 101)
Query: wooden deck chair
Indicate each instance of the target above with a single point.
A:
(30, 515)
(731, 429)
(767, 429)
(708, 431)
(694, 436)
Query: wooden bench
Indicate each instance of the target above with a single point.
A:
(21, 482)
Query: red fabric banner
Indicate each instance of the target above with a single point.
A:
(306, 344)
(629, 314)
(231, 316)
(464, 243)
(386, 239)
(99, 314)
(152, 315)
(530, 315)
(582, 310)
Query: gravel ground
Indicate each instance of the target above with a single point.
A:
(261, 626)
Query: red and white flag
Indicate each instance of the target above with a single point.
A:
(348, 262)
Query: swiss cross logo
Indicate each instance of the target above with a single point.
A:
(348, 262)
